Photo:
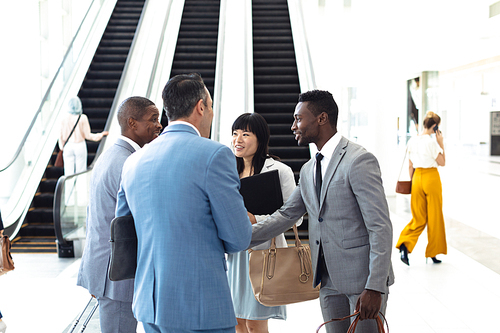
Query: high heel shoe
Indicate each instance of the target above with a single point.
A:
(404, 254)
(434, 260)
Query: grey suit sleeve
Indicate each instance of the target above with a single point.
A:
(366, 184)
(281, 220)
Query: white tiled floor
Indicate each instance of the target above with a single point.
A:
(460, 295)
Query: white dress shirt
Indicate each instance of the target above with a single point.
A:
(327, 152)
(131, 142)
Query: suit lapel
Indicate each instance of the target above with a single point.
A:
(337, 156)
(308, 183)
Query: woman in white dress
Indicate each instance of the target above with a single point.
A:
(250, 145)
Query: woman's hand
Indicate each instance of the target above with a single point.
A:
(439, 138)
(252, 218)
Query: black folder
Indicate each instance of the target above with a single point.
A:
(262, 193)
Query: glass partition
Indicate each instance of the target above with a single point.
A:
(70, 207)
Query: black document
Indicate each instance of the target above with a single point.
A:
(262, 193)
(123, 249)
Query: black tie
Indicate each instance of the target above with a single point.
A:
(319, 178)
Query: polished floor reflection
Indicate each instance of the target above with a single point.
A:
(460, 295)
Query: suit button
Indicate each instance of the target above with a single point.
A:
(317, 242)
(320, 219)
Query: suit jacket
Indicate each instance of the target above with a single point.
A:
(350, 221)
(183, 192)
(104, 186)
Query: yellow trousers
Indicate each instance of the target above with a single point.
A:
(426, 209)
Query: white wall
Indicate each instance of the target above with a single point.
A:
(375, 46)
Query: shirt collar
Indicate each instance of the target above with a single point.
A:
(131, 142)
(330, 146)
(184, 123)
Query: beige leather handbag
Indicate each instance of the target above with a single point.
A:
(282, 276)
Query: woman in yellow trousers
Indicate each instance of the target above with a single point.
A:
(426, 154)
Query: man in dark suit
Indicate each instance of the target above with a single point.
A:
(350, 232)
(138, 119)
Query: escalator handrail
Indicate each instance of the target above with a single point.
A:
(114, 106)
(57, 207)
(249, 82)
(300, 38)
(219, 72)
(47, 93)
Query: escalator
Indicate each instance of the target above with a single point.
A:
(196, 49)
(97, 93)
(276, 81)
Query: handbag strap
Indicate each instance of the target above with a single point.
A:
(402, 164)
(71, 133)
(298, 243)
(352, 327)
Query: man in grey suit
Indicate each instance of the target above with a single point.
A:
(139, 122)
(350, 232)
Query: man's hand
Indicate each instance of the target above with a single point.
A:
(252, 218)
(368, 304)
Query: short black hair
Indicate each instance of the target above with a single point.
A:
(321, 101)
(133, 107)
(181, 93)
(255, 123)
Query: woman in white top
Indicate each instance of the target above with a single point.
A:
(426, 154)
(250, 144)
(75, 151)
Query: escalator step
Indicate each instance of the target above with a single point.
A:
(96, 83)
(276, 98)
(112, 75)
(205, 73)
(180, 64)
(274, 32)
(99, 92)
(276, 70)
(277, 88)
(97, 112)
(112, 50)
(53, 172)
(279, 129)
(261, 46)
(97, 124)
(276, 79)
(279, 118)
(47, 185)
(97, 102)
(273, 54)
(37, 229)
(276, 63)
(195, 56)
(111, 57)
(43, 200)
(290, 152)
(40, 215)
(283, 140)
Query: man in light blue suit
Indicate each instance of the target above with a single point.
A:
(183, 192)
(138, 119)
